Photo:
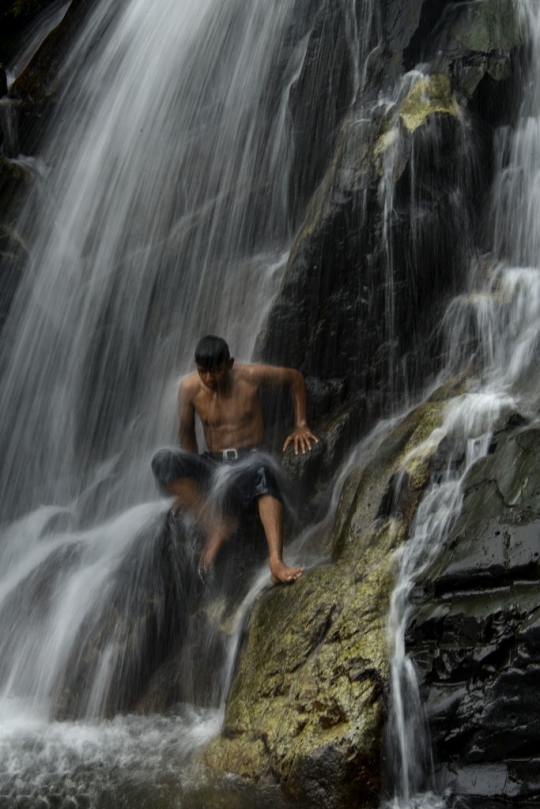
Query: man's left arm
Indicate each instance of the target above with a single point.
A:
(301, 437)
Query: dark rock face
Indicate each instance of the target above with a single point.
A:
(388, 231)
(14, 16)
(476, 643)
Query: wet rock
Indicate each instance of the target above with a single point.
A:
(14, 17)
(487, 26)
(38, 85)
(336, 313)
(307, 705)
(476, 643)
(142, 617)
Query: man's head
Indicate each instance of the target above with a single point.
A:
(213, 361)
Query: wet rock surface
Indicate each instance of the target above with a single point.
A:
(475, 633)
(364, 288)
(307, 705)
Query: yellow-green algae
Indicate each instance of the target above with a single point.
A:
(314, 669)
(429, 95)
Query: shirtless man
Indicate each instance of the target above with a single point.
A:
(226, 398)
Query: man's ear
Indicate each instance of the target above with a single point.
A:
(230, 363)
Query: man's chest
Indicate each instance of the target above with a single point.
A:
(216, 411)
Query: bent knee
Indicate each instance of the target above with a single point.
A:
(164, 469)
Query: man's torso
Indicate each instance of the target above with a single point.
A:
(230, 418)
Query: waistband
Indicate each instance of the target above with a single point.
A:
(231, 453)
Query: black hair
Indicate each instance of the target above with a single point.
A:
(211, 351)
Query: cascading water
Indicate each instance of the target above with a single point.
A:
(494, 331)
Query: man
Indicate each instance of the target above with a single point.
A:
(225, 397)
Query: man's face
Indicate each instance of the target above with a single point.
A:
(214, 378)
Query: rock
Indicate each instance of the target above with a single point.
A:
(331, 317)
(307, 705)
(428, 96)
(383, 243)
(141, 622)
(39, 83)
(488, 25)
(474, 634)
(15, 15)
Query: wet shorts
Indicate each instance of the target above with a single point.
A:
(234, 484)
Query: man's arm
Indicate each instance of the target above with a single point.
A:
(268, 375)
(186, 414)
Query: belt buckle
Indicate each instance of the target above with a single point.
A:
(230, 454)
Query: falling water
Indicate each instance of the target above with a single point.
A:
(493, 330)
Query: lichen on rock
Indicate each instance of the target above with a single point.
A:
(429, 95)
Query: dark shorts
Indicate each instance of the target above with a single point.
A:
(233, 485)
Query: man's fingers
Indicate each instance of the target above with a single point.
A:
(300, 441)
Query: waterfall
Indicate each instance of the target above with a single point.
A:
(128, 267)
(161, 210)
(164, 208)
(492, 330)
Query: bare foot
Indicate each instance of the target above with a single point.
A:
(280, 573)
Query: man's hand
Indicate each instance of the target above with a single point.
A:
(301, 438)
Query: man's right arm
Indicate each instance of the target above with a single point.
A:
(186, 414)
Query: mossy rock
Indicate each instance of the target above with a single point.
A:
(429, 95)
(307, 706)
(489, 25)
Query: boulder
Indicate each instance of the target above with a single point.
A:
(307, 704)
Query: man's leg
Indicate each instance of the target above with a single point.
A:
(217, 527)
(218, 532)
(271, 514)
(187, 494)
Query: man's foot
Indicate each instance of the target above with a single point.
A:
(280, 573)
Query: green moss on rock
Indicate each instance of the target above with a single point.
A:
(429, 95)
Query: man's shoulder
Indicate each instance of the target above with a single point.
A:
(261, 374)
(249, 371)
(189, 385)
